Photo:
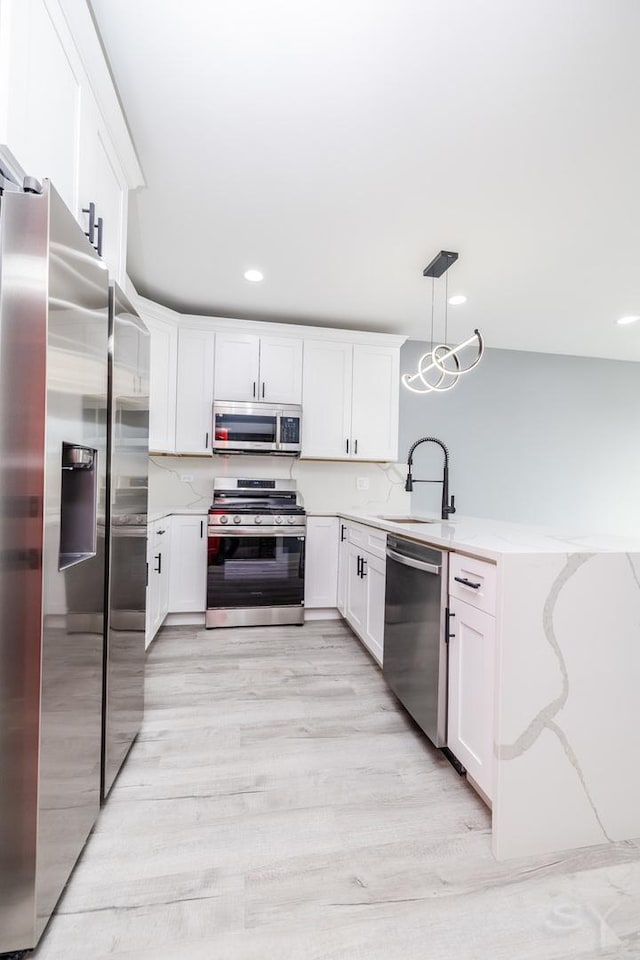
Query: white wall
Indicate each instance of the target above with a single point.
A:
(538, 438)
(325, 486)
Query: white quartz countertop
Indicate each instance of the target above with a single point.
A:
(493, 539)
(177, 512)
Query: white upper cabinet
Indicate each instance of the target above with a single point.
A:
(280, 370)
(237, 367)
(326, 399)
(375, 402)
(261, 369)
(195, 391)
(162, 384)
(350, 401)
(60, 115)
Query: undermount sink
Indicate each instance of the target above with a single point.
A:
(409, 520)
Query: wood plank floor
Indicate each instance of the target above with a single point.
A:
(279, 804)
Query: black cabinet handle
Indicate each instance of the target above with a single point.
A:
(347, 445)
(359, 566)
(206, 440)
(158, 557)
(91, 210)
(447, 623)
(355, 447)
(342, 530)
(254, 388)
(363, 571)
(263, 390)
(160, 532)
(201, 529)
(468, 583)
(99, 243)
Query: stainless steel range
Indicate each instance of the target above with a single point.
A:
(255, 554)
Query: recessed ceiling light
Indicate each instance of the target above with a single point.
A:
(254, 276)
(456, 300)
(623, 321)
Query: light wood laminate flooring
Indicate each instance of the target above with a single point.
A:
(278, 803)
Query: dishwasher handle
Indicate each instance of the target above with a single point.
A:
(411, 562)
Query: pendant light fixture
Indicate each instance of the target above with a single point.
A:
(439, 369)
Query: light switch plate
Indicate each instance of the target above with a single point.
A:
(362, 483)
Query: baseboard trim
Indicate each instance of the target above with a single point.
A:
(184, 620)
(322, 613)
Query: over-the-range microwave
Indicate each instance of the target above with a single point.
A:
(252, 428)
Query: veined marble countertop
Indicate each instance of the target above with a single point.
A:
(177, 512)
(492, 539)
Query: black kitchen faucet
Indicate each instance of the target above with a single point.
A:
(447, 508)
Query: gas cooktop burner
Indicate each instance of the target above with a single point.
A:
(247, 503)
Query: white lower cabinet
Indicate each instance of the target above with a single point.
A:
(321, 562)
(158, 559)
(471, 690)
(364, 586)
(188, 567)
(343, 567)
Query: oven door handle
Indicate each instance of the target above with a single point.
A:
(263, 532)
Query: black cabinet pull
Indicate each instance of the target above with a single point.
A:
(206, 440)
(201, 529)
(363, 572)
(99, 243)
(355, 447)
(347, 445)
(468, 583)
(359, 565)
(158, 557)
(91, 210)
(263, 391)
(447, 623)
(254, 388)
(342, 530)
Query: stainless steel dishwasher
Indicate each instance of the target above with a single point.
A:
(415, 630)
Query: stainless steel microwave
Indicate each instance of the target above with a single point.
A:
(256, 428)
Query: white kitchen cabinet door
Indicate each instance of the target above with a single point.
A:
(471, 691)
(375, 402)
(162, 385)
(159, 559)
(237, 364)
(321, 562)
(41, 78)
(343, 567)
(280, 370)
(374, 575)
(188, 569)
(356, 610)
(326, 399)
(195, 391)
(103, 183)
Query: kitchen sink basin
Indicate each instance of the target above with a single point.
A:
(409, 520)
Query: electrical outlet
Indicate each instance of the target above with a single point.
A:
(186, 477)
(362, 483)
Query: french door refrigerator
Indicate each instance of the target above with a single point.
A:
(127, 473)
(53, 473)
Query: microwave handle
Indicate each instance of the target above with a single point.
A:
(278, 422)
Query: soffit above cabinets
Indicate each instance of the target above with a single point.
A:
(335, 146)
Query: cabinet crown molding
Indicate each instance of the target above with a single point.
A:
(155, 310)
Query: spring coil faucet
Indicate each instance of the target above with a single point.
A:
(447, 508)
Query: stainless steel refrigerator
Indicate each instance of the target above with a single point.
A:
(128, 450)
(53, 471)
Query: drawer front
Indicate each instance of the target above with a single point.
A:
(371, 539)
(473, 581)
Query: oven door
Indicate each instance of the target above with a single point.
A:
(244, 428)
(252, 577)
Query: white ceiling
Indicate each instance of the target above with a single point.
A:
(339, 144)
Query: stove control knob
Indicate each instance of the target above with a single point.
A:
(257, 519)
(291, 519)
(278, 519)
(237, 519)
(224, 518)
